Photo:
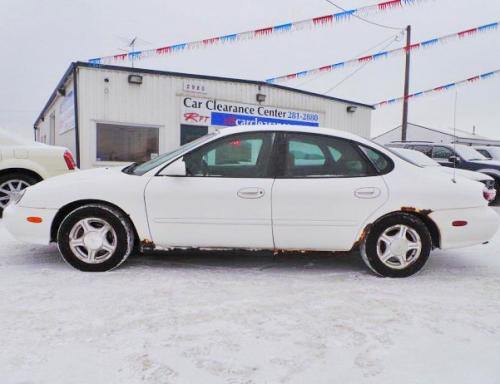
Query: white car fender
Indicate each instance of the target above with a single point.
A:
(123, 192)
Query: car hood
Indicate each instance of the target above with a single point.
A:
(106, 184)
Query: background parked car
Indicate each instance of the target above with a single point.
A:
(24, 163)
(492, 153)
(422, 160)
(455, 155)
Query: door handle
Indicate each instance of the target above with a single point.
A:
(251, 193)
(367, 193)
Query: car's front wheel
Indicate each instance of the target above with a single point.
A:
(95, 238)
(397, 246)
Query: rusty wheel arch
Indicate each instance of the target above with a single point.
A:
(422, 214)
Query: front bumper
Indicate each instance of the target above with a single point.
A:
(482, 225)
(16, 222)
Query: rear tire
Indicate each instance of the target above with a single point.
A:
(397, 246)
(12, 183)
(95, 238)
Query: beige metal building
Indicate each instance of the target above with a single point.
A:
(107, 115)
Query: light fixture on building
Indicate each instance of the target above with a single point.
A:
(260, 97)
(61, 91)
(135, 79)
(352, 109)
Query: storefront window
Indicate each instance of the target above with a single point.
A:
(126, 143)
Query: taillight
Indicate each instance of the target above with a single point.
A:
(489, 194)
(70, 162)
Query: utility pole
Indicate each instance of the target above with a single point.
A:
(404, 126)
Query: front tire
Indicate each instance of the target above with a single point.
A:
(95, 238)
(397, 246)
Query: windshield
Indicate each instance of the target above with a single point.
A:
(415, 157)
(140, 169)
(468, 153)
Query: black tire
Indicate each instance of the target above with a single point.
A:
(120, 224)
(28, 179)
(369, 248)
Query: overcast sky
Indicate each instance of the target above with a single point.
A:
(40, 38)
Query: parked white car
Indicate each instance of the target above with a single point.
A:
(418, 158)
(24, 163)
(267, 187)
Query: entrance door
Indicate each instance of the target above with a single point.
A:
(326, 191)
(225, 201)
(192, 132)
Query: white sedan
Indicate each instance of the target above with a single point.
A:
(269, 187)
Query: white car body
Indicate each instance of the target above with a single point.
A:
(37, 158)
(322, 214)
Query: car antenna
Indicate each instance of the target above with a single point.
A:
(455, 138)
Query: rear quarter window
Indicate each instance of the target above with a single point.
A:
(382, 163)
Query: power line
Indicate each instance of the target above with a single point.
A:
(357, 55)
(358, 69)
(363, 19)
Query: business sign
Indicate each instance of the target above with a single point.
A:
(67, 112)
(201, 111)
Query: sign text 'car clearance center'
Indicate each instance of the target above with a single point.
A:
(202, 111)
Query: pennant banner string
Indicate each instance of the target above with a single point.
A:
(386, 54)
(440, 89)
(259, 33)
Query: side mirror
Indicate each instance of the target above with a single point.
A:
(175, 169)
(454, 159)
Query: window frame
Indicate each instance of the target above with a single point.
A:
(282, 149)
(268, 174)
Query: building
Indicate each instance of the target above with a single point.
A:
(108, 115)
(420, 133)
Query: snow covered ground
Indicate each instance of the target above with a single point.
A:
(213, 318)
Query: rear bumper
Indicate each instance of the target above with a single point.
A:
(16, 223)
(482, 225)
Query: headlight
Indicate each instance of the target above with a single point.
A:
(16, 197)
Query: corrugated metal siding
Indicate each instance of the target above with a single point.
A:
(157, 102)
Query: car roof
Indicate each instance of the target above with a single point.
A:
(292, 128)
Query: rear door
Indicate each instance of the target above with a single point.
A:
(325, 190)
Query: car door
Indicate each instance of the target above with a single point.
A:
(324, 192)
(224, 201)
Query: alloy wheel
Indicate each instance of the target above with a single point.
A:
(399, 246)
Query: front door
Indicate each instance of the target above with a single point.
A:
(326, 191)
(225, 201)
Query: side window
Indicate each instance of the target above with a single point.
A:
(425, 149)
(381, 162)
(238, 156)
(322, 156)
(485, 153)
(442, 153)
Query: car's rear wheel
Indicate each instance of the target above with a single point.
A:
(95, 238)
(11, 184)
(397, 246)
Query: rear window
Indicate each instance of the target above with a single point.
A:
(381, 162)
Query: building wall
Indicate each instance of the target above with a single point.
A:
(106, 96)
(157, 103)
(62, 109)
